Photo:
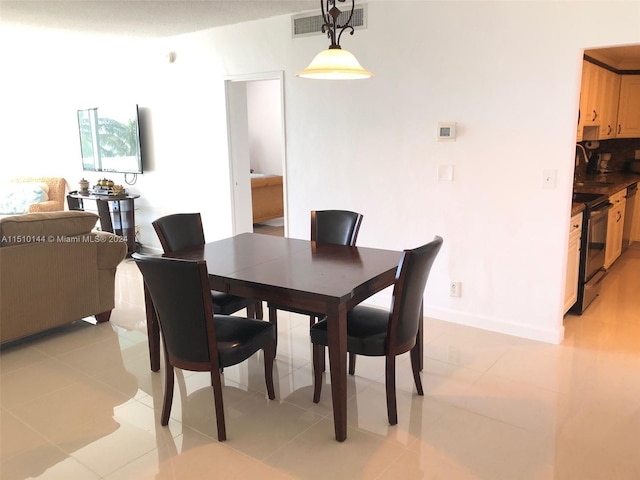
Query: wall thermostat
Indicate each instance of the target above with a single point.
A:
(446, 131)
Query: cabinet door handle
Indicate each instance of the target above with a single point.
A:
(619, 217)
(595, 115)
(619, 128)
(609, 130)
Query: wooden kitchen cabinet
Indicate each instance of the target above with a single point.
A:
(635, 225)
(610, 92)
(599, 94)
(629, 107)
(589, 96)
(573, 262)
(615, 228)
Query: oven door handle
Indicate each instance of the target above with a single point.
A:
(600, 210)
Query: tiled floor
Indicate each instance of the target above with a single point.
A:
(81, 403)
(271, 227)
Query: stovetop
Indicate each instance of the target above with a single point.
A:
(589, 199)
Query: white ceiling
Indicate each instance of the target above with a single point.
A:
(621, 58)
(143, 18)
(162, 18)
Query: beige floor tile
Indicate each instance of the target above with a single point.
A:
(35, 381)
(315, 454)
(16, 437)
(81, 402)
(478, 446)
(195, 457)
(45, 462)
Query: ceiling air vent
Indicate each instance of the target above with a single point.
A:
(310, 23)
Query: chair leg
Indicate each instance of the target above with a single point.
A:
(251, 311)
(216, 383)
(168, 393)
(273, 319)
(312, 320)
(318, 364)
(259, 313)
(352, 363)
(416, 367)
(392, 408)
(269, 354)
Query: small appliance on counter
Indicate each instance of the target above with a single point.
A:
(603, 163)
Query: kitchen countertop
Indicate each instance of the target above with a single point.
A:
(605, 184)
(576, 208)
(614, 183)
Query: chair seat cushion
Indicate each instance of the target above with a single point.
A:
(226, 304)
(239, 338)
(366, 331)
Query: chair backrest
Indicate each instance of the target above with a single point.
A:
(340, 227)
(406, 308)
(179, 231)
(182, 299)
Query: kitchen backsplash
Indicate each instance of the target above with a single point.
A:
(622, 150)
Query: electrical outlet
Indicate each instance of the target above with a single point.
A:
(455, 289)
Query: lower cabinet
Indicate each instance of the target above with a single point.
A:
(573, 262)
(615, 228)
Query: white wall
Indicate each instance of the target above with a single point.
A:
(264, 104)
(507, 72)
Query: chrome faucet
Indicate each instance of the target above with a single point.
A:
(578, 172)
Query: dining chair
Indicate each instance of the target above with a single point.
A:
(339, 227)
(184, 230)
(196, 339)
(377, 332)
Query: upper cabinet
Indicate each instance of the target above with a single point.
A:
(609, 89)
(590, 97)
(629, 107)
(598, 102)
(609, 104)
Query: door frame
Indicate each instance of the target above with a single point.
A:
(237, 138)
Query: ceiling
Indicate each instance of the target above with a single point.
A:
(143, 18)
(620, 58)
(163, 18)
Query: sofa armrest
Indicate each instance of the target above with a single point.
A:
(48, 206)
(112, 249)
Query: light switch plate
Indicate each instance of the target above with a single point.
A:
(549, 178)
(445, 173)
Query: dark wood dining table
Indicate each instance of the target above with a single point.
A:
(324, 278)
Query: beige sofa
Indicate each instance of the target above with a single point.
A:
(53, 270)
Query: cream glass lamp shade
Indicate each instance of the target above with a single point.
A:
(335, 64)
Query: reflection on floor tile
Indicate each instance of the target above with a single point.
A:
(80, 402)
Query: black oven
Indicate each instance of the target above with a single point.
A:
(592, 247)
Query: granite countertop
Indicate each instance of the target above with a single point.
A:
(605, 184)
(576, 208)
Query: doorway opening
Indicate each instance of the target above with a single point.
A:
(256, 126)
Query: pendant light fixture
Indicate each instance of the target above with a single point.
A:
(335, 63)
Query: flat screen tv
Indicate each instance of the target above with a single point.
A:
(110, 139)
